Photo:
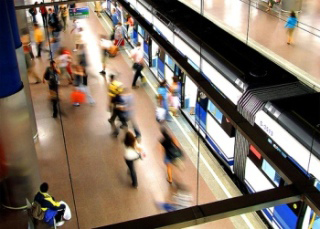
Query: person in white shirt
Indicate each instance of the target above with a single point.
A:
(137, 56)
(105, 45)
(132, 152)
(63, 61)
(78, 40)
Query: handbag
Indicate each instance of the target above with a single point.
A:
(135, 66)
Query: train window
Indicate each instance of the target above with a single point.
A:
(271, 173)
(169, 62)
(215, 112)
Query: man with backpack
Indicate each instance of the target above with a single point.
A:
(51, 76)
(46, 208)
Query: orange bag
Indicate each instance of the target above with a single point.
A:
(78, 96)
(113, 50)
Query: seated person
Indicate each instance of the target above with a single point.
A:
(51, 208)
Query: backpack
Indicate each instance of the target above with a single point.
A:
(50, 76)
(36, 211)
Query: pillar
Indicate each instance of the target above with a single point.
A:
(20, 18)
(19, 174)
(291, 5)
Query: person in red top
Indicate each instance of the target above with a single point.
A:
(68, 52)
(44, 14)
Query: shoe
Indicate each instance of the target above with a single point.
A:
(169, 181)
(102, 72)
(135, 87)
(135, 186)
(76, 104)
(75, 50)
(60, 223)
(54, 116)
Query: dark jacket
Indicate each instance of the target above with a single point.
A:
(47, 202)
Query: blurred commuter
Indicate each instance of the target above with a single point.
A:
(67, 52)
(82, 58)
(132, 152)
(114, 17)
(63, 61)
(52, 209)
(64, 16)
(163, 98)
(291, 24)
(33, 13)
(137, 56)
(123, 109)
(54, 46)
(51, 75)
(56, 8)
(270, 4)
(26, 42)
(81, 81)
(114, 88)
(105, 45)
(119, 32)
(25, 39)
(78, 39)
(175, 96)
(180, 199)
(97, 8)
(54, 23)
(38, 38)
(173, 153)
(44, 14)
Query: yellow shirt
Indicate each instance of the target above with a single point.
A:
(38, 35)
(115, 88)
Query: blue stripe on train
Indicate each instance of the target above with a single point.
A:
(285, 216)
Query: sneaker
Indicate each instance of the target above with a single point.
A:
(102, 72)
(76, 104)
(75, 50)
(135, 87)
(60, 223)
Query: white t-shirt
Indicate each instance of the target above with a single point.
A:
(76, 27)
(63, 60)
(106, 44)
(137, 55)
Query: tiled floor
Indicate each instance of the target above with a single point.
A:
(84, 165)
(267, 33)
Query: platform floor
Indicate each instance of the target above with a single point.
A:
(267, 34)
(84, 165)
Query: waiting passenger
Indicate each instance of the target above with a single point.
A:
(163, 99)
(175, 96)
(51, 208)
(119, 32)
(132, 152)
(172, 152)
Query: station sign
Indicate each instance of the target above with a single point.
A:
(79, 13)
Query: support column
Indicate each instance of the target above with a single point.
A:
(19, 174)
(19, 17)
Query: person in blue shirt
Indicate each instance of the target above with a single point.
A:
(114, 17)
(291, 24)
(163, 98)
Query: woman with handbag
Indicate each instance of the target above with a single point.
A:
(173, 153)
(132, 152)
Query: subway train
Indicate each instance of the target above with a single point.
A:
(287, 110)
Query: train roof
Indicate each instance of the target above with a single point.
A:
(300, 116)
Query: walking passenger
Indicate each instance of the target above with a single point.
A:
(78, 39)
(105, 45)
(33, 13)
(175, 96)
(132, 152)
(291, 25)
(172, 152)
(63, 61)
(114, 88)
(137, 56)
(38, 38)
(51, 75)
(44, 14)
(51, 208)
(64, 16)
(163, 99)
(123, 109)
(119, 35)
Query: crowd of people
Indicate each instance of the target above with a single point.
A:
(73, 67)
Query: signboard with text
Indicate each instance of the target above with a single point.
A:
(79, 13)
